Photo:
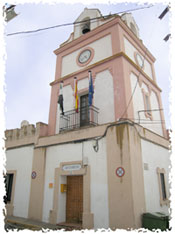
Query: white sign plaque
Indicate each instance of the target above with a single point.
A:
(72, 167)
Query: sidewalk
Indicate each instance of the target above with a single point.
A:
(30, 224)
(34, 225)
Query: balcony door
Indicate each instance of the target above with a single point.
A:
(84, 110)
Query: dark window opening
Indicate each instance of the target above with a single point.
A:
(163, 188)
(85, 29)
(8, 186)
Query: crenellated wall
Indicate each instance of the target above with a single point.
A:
(16, 134)
(26, 135)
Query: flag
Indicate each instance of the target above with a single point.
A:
(91, 89)
(76, 95)
(60, 98)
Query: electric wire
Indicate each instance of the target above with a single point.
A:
(148, 120)
(150, 123)
(78, 22)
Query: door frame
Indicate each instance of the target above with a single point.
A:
(87, 217)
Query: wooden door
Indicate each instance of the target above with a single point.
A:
(74, 199)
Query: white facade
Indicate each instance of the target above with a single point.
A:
(69, 64)
(20, 160)
(83, 84)
(155, 157)
(104, 96)
(99, 186)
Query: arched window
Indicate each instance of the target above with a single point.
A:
(85, 27)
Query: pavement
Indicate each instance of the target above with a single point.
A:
(12, 222)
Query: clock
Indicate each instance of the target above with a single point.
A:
(84, 56)
(139, 60)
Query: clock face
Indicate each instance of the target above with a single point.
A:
(139, 60)
(84, 56)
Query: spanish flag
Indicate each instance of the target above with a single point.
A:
(76, 95)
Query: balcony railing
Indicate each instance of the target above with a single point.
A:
(85, 116)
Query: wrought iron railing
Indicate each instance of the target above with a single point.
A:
(73, 119)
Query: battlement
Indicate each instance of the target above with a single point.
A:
(24, 131)
(27, 134)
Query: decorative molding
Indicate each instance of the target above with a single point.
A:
(147, 113)
(101, 29)
(149, 89)
(136, 54)
(111, 71)
(90, 67)
(82, 92)
(140, 81)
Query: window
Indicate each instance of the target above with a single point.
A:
(162, 179)
(147, 105)
(162, 187)
(8, 185)
(148, 108)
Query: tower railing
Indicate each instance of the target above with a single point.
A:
(84, 116)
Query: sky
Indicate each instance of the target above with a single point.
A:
(30, 61)
(27, 61)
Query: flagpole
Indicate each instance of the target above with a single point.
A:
(89, 74)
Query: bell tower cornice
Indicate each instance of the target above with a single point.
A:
(88, 37)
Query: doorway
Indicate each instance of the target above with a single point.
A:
(74, 199)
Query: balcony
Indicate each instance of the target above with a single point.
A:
(85, 116)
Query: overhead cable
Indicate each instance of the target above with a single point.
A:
(78, 22)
